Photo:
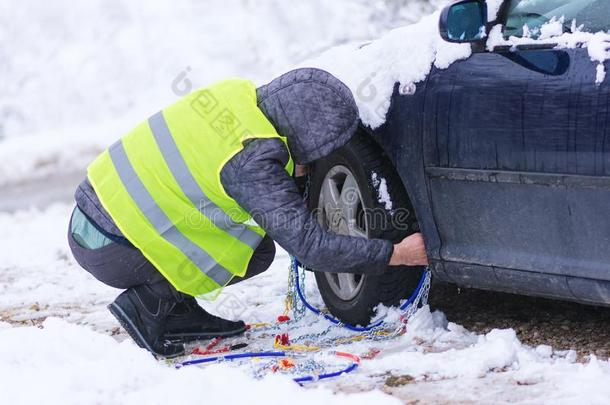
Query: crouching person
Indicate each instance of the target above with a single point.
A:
(166, 213)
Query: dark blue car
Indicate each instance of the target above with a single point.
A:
(502, 160)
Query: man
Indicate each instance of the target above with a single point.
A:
(194, 198)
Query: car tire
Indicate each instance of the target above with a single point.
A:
(353, 298)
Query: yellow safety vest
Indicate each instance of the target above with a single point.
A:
(161, 185)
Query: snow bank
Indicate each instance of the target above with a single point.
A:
(92, 71)
(436, 350)
(480, 355)
(97, 61)
(405, 56)
(62, 363)
(56, 153)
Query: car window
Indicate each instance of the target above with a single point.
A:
(593, 15)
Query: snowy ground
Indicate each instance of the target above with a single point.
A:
(94, 70)
(57, 335)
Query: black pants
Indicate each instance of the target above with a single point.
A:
(122, 266)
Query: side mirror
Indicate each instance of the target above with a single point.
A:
(464, 21)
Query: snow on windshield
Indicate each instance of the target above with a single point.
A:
(552, 32)
(493, 6)
(591, 14)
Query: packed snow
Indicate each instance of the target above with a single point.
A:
(56, 335)
(68, 364)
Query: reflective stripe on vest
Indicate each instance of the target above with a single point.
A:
(161, 184)
(191, 189)
(160, 221)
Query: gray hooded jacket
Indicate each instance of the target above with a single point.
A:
(317, 114)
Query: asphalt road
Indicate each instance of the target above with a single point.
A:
(41, 192)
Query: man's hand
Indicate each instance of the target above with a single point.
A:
(410, 252)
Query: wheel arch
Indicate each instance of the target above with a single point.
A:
(401, 139)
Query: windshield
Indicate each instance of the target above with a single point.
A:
(593, 15)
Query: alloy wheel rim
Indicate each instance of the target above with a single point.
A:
(341, 210)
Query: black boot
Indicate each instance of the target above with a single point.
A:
(142, 312)
(188, 322)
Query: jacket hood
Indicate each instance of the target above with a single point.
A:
(314, 110)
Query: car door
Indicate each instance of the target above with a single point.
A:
(516, 160)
